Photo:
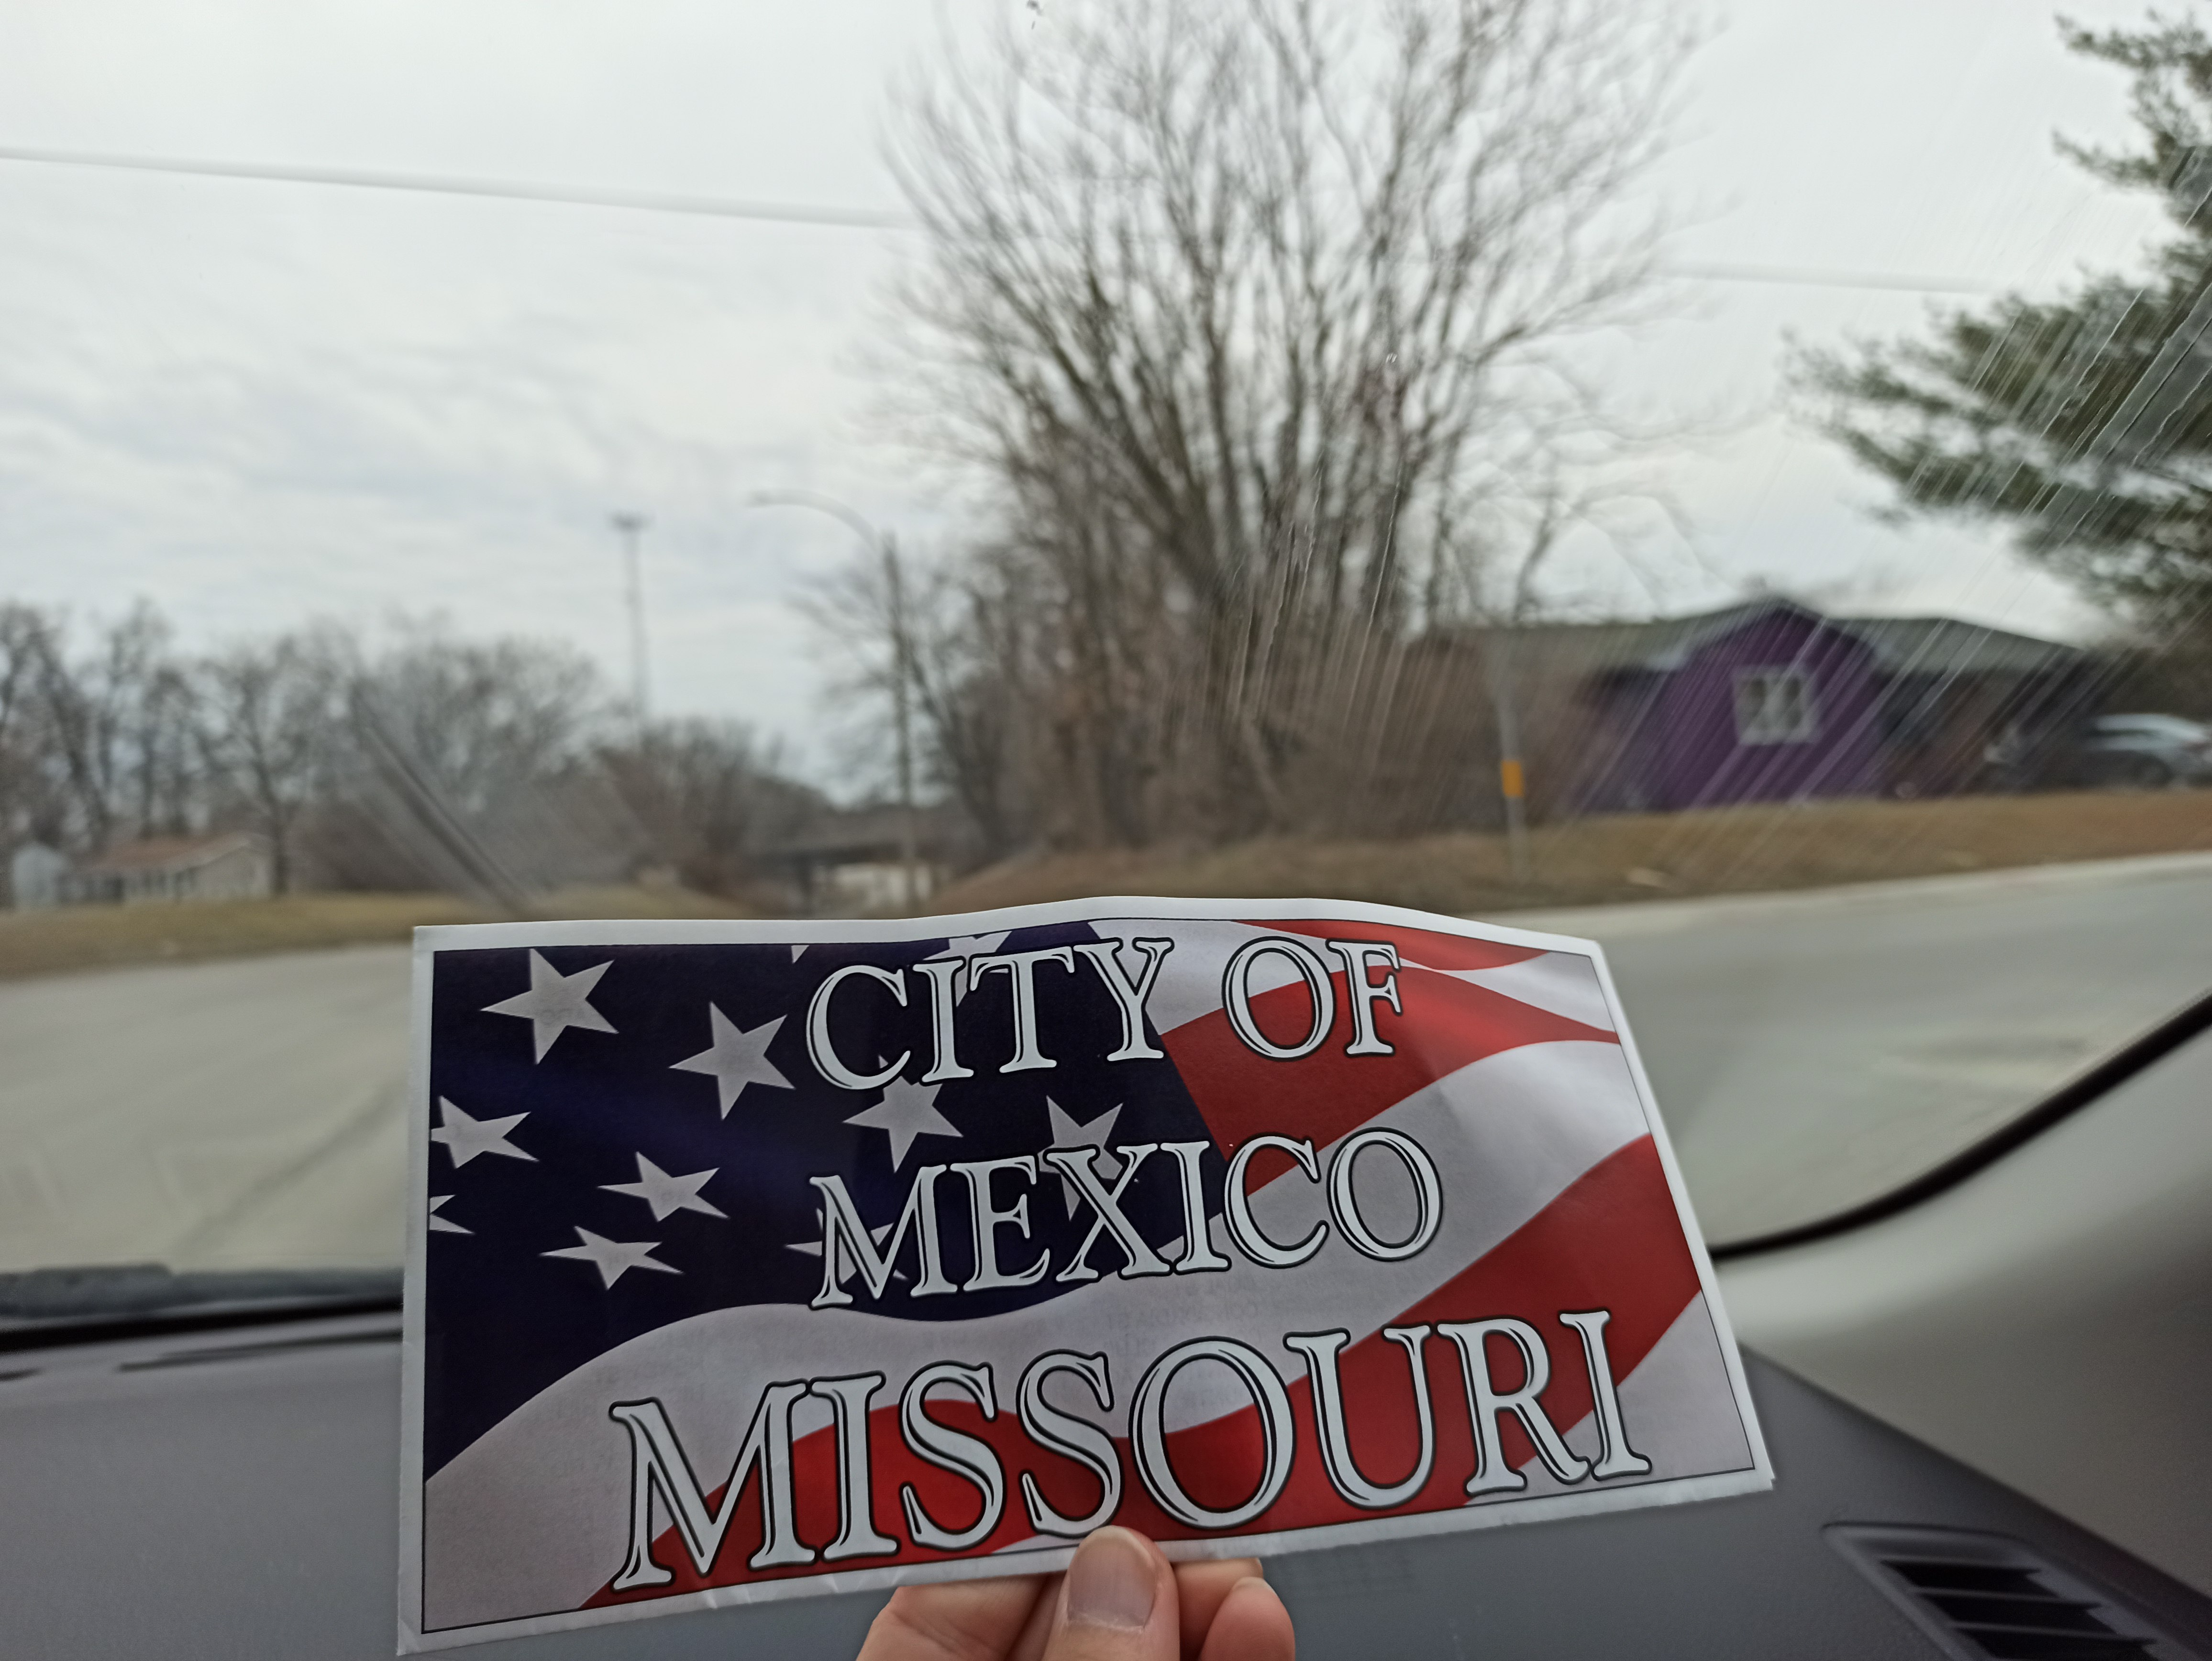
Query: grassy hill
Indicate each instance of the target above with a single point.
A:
(1633, 856)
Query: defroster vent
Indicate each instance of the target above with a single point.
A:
(1988, 1597)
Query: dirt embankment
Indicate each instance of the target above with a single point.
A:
(1633, 856)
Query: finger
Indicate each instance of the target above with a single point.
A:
(1117, 1602)
(1251, 1625)
(1200, 1588)
(1029, 1646)
(957, 1621)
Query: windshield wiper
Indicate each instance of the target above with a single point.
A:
(43, 1306)
(2062, 1104)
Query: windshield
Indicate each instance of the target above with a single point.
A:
(1736, 487)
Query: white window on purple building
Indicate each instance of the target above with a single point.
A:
(1775, 706)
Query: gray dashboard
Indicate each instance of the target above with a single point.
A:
(230, 1493)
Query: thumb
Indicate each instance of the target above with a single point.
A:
(1117, 1602)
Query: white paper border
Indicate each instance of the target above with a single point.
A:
(412, 1638)
(460, 937)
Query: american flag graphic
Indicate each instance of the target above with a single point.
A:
(756, 1259)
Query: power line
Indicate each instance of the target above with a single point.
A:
(788, 213)
(1814, 276)
(807, 213)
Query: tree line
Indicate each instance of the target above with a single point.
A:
(418, 759)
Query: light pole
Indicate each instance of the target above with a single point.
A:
(630, 527)
(881, 544)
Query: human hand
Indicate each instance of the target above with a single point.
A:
(1119, 1601)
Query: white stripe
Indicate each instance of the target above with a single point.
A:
(531, 1518)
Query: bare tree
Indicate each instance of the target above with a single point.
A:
(944, 638)
(272, 726)
(117, 725)
(35, 796)
(482, 718)
(710, 798)
(1260, 317)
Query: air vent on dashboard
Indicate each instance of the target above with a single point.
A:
(1988, 1597)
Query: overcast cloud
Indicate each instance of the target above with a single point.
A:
(259, 403)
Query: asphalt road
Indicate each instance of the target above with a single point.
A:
(1806, 1049)
(221, 1115)
(1810, 1050)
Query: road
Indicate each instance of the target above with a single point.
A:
(222, 1114)
(1808, 1050)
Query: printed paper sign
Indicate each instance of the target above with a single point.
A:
(754, 1260)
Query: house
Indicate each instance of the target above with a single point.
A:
(1772, 701)
(235, 866)
(1763, 701)
(34, 876)
(864, 860)
(1966, 707)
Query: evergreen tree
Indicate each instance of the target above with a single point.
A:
(2086, 422)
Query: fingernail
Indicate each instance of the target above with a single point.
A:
(1111, 1583)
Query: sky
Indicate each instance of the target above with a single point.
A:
(259, 403)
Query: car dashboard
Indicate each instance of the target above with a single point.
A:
(229, 1493)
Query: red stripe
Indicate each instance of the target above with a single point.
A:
(1446, 1023)
(1611, 1240)
(1430, 947)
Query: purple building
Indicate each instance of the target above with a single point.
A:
(1771, 701)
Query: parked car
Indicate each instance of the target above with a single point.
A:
(2147, 751)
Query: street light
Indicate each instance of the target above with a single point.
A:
(630, 527)
(881, 544)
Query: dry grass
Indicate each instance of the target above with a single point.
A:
(1634, 856)
(1617, 857)
(100, 936)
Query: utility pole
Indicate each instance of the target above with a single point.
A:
(902, 716)
(902, 667)
(1512, 780)
(630, 527)
(1499, 646)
